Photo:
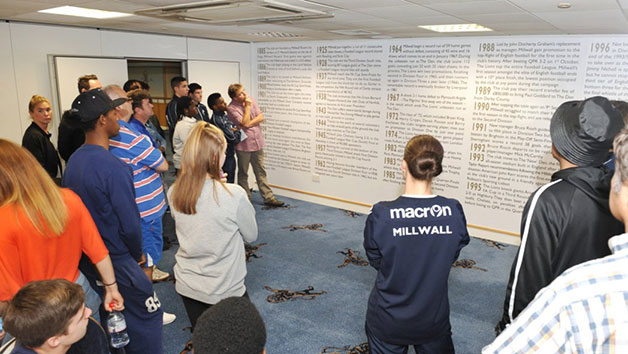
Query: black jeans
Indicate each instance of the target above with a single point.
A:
(195, 308)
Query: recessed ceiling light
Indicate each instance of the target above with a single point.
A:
(83, 12)
(463, 27)
(564, 5)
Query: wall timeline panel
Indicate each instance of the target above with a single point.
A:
(338, 113)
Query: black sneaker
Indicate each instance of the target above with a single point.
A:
(274, 202)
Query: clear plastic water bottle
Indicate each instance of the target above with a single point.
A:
(117, 328)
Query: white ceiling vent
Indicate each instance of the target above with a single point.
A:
(234, 12)
(275, 34)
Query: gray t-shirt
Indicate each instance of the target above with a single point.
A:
(211, 263)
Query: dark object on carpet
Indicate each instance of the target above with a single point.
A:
(188, 348)
(350, 213)
(286, 295)
(352, 257)
(358, 349)
(251, 250)
(466, 264)
(499, 246)
(313, 227)
(285, 206)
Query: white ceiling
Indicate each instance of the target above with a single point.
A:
(381, 18)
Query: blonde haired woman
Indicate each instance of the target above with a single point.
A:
(213, 219)
(45, 229)
(36, 138)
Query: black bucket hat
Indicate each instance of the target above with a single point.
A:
(583, 131)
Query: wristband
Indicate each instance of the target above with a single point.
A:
(114, 283)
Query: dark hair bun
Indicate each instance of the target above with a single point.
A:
(424, 157)
(425, 165)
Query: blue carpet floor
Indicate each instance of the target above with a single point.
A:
(301, 258)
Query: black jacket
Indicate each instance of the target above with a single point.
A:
(232, 136)
(203, 113)
(172, 118)
(171, 114)
(564, 223)
(70, 138)
(38, 143)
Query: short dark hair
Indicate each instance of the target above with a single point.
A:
(74, 121)
(424, 157)
(212, 100)
(183, 103)
(137, 96)
(193, 87)
(43, 309)
(232, 326)
(176, 81)
(83, 81)
(127, 85)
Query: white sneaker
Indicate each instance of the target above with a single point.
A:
(169, 318)
(159, 275)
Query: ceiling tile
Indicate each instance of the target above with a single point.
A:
(356, 4)
(519, 26)
(501, 18)
(576, 5)
(430, 2)
(436, 20)
(319, 25)
(108, 5)
(475, 8)
(606, 21)
(398, 12)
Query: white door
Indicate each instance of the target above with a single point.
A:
(69, 69)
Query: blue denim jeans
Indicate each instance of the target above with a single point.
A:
(92, 300)
(152, 240)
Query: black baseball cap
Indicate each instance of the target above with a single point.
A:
(92, 104)
(583, 131)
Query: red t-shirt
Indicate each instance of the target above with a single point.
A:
(27, 255)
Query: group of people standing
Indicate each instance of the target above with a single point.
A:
(110, 210)
(240, 121)
(113, 198)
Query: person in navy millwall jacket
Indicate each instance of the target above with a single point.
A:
(412, 242)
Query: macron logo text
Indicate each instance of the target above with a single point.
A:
(435, 211)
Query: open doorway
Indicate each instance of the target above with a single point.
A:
(157, 74)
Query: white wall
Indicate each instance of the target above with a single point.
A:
(9, 118)
(202, 49)
(26, 48)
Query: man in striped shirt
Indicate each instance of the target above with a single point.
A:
(585, 309)
(136, 149)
